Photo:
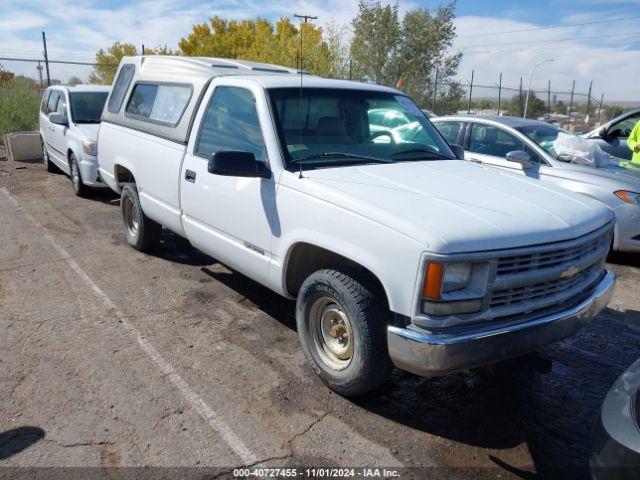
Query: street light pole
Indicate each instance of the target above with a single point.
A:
(526, 103)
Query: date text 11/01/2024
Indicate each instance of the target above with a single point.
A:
(316, 472)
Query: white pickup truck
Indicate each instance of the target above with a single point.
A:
(397, 252)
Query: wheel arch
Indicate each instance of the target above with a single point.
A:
(303, 258)
(123, 174)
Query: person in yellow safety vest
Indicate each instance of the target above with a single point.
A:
(634, 144)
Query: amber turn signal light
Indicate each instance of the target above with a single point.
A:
(432, 286)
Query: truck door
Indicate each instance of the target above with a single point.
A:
(231, 218)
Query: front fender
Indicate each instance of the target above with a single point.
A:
(393, 261)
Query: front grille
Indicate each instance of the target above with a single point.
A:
(551, 258)
(544, 277)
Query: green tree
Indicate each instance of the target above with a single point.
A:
(613, 110)
(560, 107)
(376, 37)
(74, 81)
(261, 41)
(536, 106)
(107, 62)
(412, 53)
(426, 38)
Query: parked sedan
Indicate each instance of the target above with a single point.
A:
(616, 449)
(612, 136)
(525, 147)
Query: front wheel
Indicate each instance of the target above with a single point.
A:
(79, 188)
(342, 324)
(51, 168)
(142, 233)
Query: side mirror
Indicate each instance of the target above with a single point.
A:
(602, 132)
(518, 156)
(58, 118)
(458, 150)
(237, 164)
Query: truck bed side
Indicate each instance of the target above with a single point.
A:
(155, 164)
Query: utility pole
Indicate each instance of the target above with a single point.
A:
(520, 97)
(499, 93)
(600, 107)
(46, 58)
(39, 68)
(470, 92)
(435, 90)
(306, 19)
(573, 88)
(143, 49)
(549, 99)
(589, 99)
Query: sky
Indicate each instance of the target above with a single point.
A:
(588, 40)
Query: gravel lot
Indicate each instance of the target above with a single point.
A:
(111, 357)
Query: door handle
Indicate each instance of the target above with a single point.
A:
(190, 176)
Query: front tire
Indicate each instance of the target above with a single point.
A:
(79, 188)
(342, 324)
(51, 168)
(142, 233)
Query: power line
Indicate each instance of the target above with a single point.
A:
(36, 60)
(503, 44)
(556, 48)
(551, 28)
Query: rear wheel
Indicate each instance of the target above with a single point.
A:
(342, 324)
(142, 233)
(79, 188)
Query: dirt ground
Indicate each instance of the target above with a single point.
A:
(111, 357)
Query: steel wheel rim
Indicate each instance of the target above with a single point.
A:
(75, 175)
(332, 333)
(131, 218)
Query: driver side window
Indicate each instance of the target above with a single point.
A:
(231, 123)
(494, 141)
(623, 128)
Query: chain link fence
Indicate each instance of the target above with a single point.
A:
(568, 107)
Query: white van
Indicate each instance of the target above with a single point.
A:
(397, 252)
(69, 119)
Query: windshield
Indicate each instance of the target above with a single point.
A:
(341, 127)
(86, 107)
(544, 136)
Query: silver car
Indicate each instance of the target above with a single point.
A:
(612, 136)
(525, 147)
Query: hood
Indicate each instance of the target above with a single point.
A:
(613, 174)
(455, 206)
(89, 130)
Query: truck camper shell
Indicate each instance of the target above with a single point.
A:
(193, 73)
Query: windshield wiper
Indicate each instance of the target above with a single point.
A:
(423, 150)
(344, 155)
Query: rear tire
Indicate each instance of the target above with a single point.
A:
(79, 188)
(141, 232)
(51, 168)
(342, 324)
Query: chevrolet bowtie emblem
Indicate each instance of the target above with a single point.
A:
(569, 272)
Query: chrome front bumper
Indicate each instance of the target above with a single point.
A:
(418, 351)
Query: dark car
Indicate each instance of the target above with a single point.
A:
(612, 136)
(616, 449)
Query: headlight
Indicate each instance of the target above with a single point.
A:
(456, 276)
(451, 288)
(629, 197)
(89, 147)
